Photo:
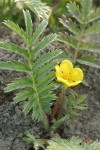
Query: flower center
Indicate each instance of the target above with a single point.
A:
(66, 76)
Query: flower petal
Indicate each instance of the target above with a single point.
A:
(58, 71)
(76, 74)
(66, 67)
(68, 84)
(73, 83)
(61, 80)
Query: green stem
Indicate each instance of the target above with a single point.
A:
(78, 46)
(45, 119)
(62, 100)
(76, 53)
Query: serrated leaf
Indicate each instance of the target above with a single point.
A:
(38, 7)
(18, 84)
(39, 30)
(46, 89)
(94, 16)
(59, 122)
(94, 29)
(91, 64)
(81, 99)
(28, 23)
(14, 48)
(68, 40)
(46, 80)
(23, 95)
(44, 70)
(37, 114)
(15, 28)
(92, 47)
(14, 66)
(71, 26)
(28, 105)
(74, 143)
(74, 11)
(45, 59)
(46, 41)
(85, 8)
(32, 139)
(81, 107)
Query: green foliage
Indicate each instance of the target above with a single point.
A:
(36, 88)
(72, 106)
(14, 48)
(73, 143)
(18, 84)
(30, 138)
(85, 24)
(38, 7)
(10, 11)
(58, 9)
(58, 143)
(14, 66)
(16, 28)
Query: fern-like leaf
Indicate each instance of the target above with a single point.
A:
(39, 30)
(59, 122)
(28, 105)
(14, 66)
(92, 47)
(14, 48)
(42, 72)
(46, 80)
(88, 63)
(28, 23)
(74, 143)
(38, 7)
(94, 16)
(62, 144)
(46, 41)
(94, 29)
(85, 8)
(18, 84)
(30, 138)
(23, 95)
(74, 11)
(45, 58)
(16, 29)
(37, 88)
(71, 26)
(68, 40)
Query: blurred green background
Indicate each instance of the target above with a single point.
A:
(12, 11)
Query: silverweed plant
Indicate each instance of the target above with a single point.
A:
(38, 89)
(83, 24)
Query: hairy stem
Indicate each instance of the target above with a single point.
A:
(76, 53)
(62, 100)
(78, 46)
(54, 111)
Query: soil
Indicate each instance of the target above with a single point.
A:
(14, 124)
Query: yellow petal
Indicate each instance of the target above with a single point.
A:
(73, 83)
(68, 84)
(61, 80)
(66, 67)
(58, 72)
(76, 74)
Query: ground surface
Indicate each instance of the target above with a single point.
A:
(13, 123)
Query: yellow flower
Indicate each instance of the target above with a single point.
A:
(68, 75)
